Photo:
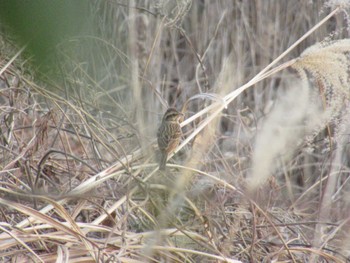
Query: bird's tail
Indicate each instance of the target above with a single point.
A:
(163, 160)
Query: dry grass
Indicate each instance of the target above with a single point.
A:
(260, 176)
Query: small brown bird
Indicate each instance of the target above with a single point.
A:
(169, 134)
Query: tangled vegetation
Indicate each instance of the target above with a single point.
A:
(261, 173)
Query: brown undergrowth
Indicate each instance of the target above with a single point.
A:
(261, 174)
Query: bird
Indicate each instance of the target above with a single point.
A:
(169, 134)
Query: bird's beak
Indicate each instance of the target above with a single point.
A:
(181, 117)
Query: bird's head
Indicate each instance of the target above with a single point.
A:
(173, 115)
